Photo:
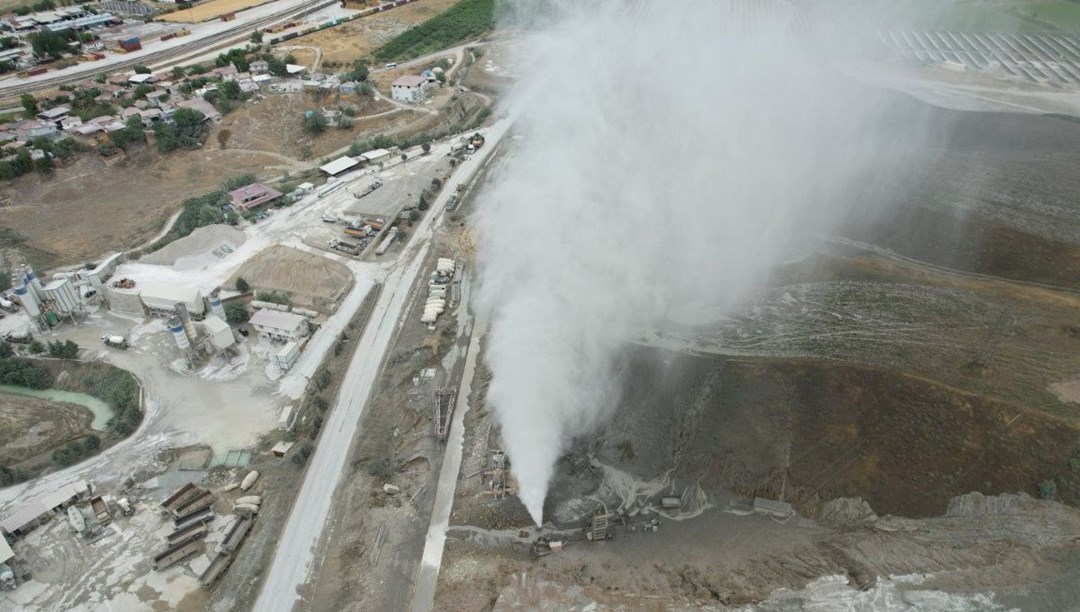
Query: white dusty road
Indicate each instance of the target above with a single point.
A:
(426, 581)
(298, 553)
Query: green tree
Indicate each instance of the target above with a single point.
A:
(426, 147)
(185, 132)
(47, 43)
(358, 73)
(29, 104)
(142, 70)
(315, 122)
(242, 285)
(36, 347)
(257, 37)
(236, 313)
(230, 90)
(323, 378)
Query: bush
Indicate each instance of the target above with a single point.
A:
(320, 403)
(276, 297)
(64, 350)
(185, 132)
(1048, 489)
(315, 122)
(242, 285)
(236, 313)
(381, 468)
(36, 347)
(323, 378)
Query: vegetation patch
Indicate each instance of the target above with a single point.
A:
(466, 20)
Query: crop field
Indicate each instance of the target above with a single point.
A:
(209, 10)
(466, 20)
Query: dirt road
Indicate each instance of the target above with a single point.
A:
(295, 559)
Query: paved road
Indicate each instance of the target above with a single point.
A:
(297, 558)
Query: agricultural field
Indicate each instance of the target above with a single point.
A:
(467, 20)
(209, 10)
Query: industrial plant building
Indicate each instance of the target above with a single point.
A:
(279, 326)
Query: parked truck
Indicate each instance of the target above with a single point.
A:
(119, 342)
(372, 187)
(345, 246)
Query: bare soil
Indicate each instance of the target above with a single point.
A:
(348, 42)
(309, 279)
(210, 10)
(90, 209)
(30, 426)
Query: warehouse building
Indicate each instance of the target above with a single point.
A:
(26, 516)
(279, 326)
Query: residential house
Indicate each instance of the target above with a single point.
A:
(409, 88)
(253, 196)
(259, 67)
(203, 107)
(70, 122)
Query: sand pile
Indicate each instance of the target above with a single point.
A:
(204, 245)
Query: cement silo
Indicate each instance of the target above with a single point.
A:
(29, 301)
(34, 284)
(216, 306)
(176, 328)
(185, 320)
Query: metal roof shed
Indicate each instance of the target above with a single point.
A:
(339, 165)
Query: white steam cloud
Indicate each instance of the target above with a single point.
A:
(671, 153)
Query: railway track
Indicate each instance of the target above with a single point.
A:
(165, 57)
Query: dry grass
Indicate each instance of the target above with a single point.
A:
(210, 10)
(90, 209)
(276, 124)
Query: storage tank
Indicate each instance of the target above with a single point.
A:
(34, 284)
(176, 328)
(185, 320)
(216, 306)
(63, 295)
(29, 300)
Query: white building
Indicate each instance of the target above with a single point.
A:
(408, 88)
(221, 336)
(161, 299)
(287, 356)
(279, 326)
(376, 156)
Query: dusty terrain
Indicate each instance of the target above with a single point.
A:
(90, 209)
(276, 124)
(351, 41)
(210, 10)
(30, 426)
(309, 279)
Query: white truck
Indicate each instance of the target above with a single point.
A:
(119, 342)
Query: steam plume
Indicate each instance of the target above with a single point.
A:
(671, 153)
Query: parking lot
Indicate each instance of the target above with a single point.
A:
(1052, 59)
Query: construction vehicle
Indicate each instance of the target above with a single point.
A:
(125, 506)
(101, 510)
(544, 546)
(119, 342)
(330, 218)
(358, 232)
(372, 187)
(345, 246)
(7, 577)
(76, 519)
